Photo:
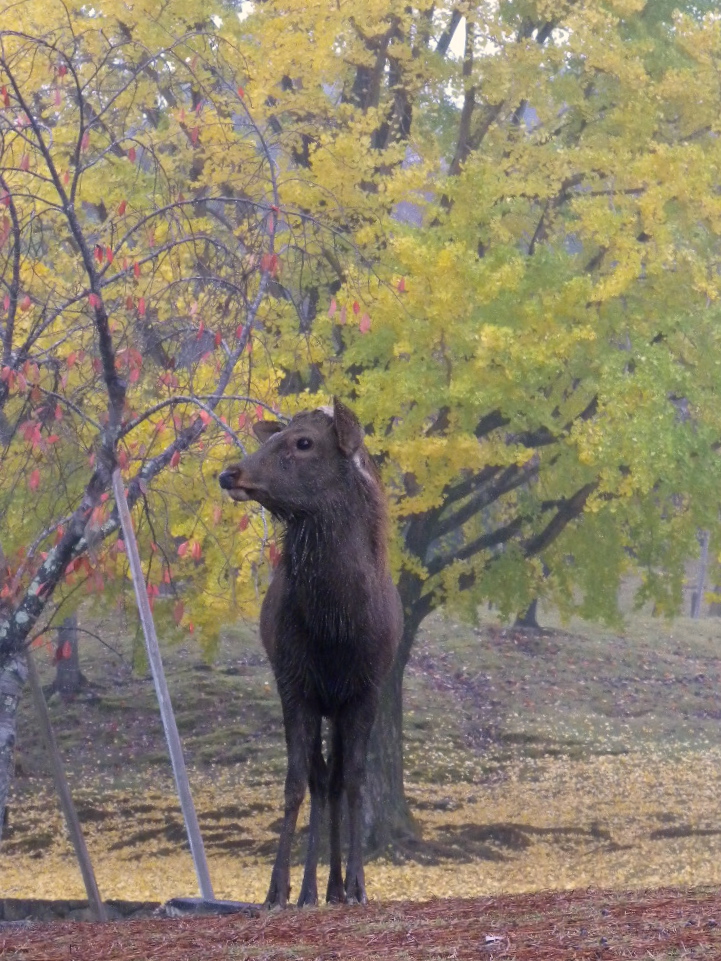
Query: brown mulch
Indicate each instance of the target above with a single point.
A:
(576, 925)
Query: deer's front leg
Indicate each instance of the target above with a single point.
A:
(318, 782)
(299, 730)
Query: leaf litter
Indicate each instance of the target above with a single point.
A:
(560, 761)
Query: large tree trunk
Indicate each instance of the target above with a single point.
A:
(387, 819)
(529, 618)
(386, 815)
(12, 679)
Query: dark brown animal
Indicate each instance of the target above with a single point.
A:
(330, 623)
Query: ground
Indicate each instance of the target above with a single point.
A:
(576, 758)
(659, 926)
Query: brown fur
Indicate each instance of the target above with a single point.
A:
(330, 623)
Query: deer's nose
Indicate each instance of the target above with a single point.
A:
(227, 478)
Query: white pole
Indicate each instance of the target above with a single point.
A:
(161, 688)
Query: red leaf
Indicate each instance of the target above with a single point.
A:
(178, 611)
(134, 375)
(194, 136)
(129, 303)
(343, 315)
(241, 93)
(5, 95)
(196, 551)
(205, 417)
(217, 514)
(333, 307)
(191, 627)
(356, 307)
(66, 177)
(122, 207)
(136, 269)
(6, 302)
(93, 300)
(26, 303)
(65, 652)
(183, 549)
(365, 324)
(34, 480)
(243, 522)
(402, 284)
(109, 254)
(25, 162)
(5, 198)
(62, 70)
(218, 338)
(57, 97)
(242, 421)
(141, 306)
(259, 412)
(166, 576)
(120, 546)
(131, 155)
(175, 459)
(99, 253)
(85, 142)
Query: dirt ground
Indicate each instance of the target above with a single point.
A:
(655, 926)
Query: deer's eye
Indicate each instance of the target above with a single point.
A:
(304, 443)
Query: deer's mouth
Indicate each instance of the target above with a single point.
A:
(241, 493)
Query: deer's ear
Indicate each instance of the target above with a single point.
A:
(347, 428)
(264, 429)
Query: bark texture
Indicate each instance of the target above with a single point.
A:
(13, 675)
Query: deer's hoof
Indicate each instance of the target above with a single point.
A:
(308, 897)
(277, 896)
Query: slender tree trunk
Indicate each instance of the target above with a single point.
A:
(13, 675)
(68, 676)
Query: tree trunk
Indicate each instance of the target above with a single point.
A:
(68, 676)
(12, 679)
(386, 815)
(529, 618)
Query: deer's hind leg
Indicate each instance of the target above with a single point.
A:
(355, 730)
(318, 783)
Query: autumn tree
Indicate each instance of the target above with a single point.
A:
(141, 315)
(492, 227)
(536, 353)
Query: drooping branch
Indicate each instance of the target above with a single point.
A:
(568, 510)
(500, 536)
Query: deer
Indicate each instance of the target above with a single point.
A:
(330, 623)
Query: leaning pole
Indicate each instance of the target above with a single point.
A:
(161, 688)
